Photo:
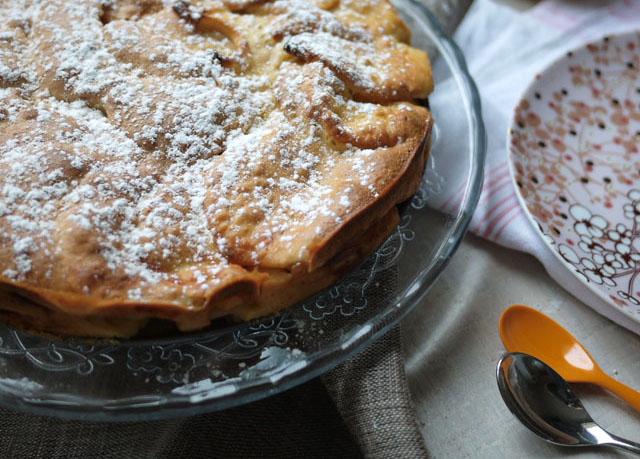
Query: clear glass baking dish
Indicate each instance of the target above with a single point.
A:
(220, 368)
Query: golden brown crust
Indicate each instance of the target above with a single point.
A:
(224, 167)
(27, 309)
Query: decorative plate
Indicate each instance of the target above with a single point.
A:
(219, 368)
(574, 149)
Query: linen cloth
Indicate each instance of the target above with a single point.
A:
(504, 50)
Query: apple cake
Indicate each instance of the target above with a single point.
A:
(187, 161)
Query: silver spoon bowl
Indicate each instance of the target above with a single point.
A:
(545, 403)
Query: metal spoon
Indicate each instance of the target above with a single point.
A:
(544, 403)
(523, 329)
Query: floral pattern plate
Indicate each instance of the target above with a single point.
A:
(573, 146)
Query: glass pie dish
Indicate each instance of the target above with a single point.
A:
(234, 364)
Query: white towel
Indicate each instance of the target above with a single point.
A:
(505, 49)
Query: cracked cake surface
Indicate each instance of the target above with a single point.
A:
(193, 160)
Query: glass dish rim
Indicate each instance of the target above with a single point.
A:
(134, 408)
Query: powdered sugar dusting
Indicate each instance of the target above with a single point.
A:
(153, 148)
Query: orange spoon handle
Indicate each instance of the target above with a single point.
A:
(629, 395)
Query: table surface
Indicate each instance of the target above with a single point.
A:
(451, 345)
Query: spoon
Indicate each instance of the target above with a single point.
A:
(523, 329)
(544, 403)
